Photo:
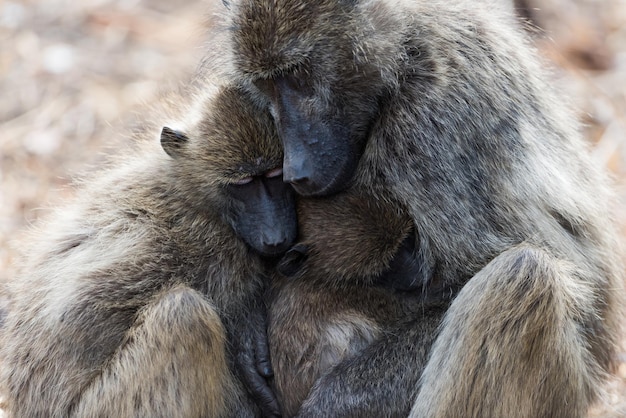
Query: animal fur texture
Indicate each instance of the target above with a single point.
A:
(445, 106)
(132, 292)
(335, 312)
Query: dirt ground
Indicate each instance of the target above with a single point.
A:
(73, 74)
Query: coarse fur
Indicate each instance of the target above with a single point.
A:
(444, 105)
(335, 314)
(136, 296)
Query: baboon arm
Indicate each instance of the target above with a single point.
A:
(381, 381)
(172, 363)
(512, 343)
(247, 338)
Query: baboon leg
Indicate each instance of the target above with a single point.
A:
(379, 381)
(172, 364)
(311, 330)
(513, 344)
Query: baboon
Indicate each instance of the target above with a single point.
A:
(445, 106)
(143, 296)
(339, 311)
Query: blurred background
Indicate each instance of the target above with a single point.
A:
(74, 74)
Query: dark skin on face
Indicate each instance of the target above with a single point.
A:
(321, 153)
(264, 215)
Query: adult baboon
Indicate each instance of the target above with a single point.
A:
(444, 105)
(336, 314)
(141, 298)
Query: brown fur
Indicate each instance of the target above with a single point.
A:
(131, 291)
(455, 120)
(343, 233)
(330, 319)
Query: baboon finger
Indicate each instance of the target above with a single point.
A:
(258, 385)
(262, 356)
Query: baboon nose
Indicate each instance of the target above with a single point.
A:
(302, 184)
(275, 248)
(274, 245)
(295, 169)
(300, 176)
(298, 180)
(295, 175)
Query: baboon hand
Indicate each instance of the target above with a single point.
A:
(407, 271)
(253, 361)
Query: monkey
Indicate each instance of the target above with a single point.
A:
(142, 296)
(339, 299)
(446, 107)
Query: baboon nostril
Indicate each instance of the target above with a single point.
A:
(274, 246)
(296, 170)
(298, 180)
(296, 177)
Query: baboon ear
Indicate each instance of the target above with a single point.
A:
(293, 260)
(172, 141)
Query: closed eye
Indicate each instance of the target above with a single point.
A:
(242, 181)
(277, 172)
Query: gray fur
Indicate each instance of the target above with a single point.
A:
(462, 127)
(131, 291)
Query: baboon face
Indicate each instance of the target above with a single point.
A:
(299, 59)
(232, 165)
(263, 212)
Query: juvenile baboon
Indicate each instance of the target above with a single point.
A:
(141, 298)
(337, 313)
(444, 105)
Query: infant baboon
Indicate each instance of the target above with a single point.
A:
(335, 315)
(443, 104)
(140, 297)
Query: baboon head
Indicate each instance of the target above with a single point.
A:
(348, 237)
(322, 77)
(231, 164)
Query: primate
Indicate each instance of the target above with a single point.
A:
(337, 306)
(142, 297)
(445, 106)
